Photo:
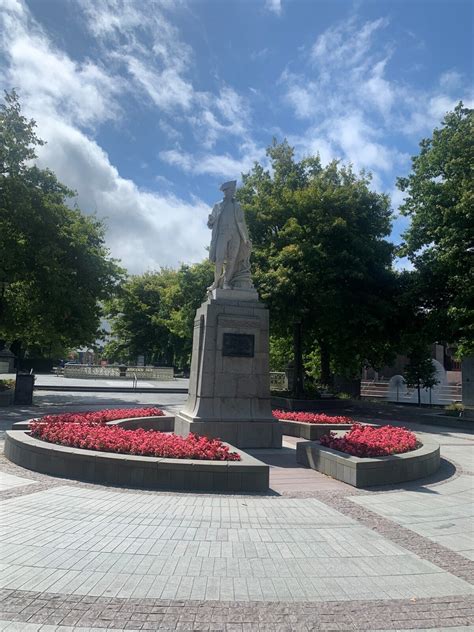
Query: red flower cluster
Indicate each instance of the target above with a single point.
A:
(91, 436)
(368, 441)
(101, 416)
(311, 418)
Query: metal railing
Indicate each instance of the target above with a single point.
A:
(115, 372)
(278, 381)
(441, 394)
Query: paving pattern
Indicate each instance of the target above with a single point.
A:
(10, 481)
(317, 555)
(105, 543)
(445, 515)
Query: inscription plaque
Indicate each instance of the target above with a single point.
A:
(238, 345)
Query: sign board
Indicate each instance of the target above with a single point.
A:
(238, 345)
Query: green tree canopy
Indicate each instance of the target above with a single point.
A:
(154, 315)
(54, 266)
(320, 257)
(440, 203)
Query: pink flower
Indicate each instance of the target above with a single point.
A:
(89, 431)
(311, 418)
(369, 441)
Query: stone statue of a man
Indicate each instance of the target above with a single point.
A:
(230, 243)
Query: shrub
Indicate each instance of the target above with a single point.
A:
(6, 385)
(367, 441)
(311, 418)
(455, 409)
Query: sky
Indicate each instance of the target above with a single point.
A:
(148, 106)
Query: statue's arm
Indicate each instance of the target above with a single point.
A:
(213, 216)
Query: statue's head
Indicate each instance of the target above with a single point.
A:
(228, 188)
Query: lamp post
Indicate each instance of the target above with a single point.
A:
(298, 385)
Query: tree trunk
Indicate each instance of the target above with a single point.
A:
(419, 394)
(298, 383)
(325, 364)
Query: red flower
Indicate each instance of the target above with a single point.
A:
(88, 431)
(101, 416)
(368, 441)
(311, 418)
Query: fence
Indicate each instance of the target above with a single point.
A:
(135, 373)
(440, 394)
(278, 381)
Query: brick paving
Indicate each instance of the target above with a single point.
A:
(83, 557)
(157, 614)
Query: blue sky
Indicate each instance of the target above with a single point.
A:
(148, 106)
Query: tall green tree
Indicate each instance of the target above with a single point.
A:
(439, 242)
(320, 257)
(54, 266)
(154, 315)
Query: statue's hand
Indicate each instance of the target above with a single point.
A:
(210, 221)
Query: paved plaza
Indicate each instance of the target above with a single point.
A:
(312, 554)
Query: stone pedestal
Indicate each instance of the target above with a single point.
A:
(229, 387)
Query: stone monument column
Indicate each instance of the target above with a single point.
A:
(229, 386)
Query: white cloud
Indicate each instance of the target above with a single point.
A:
(450, 79)
(144, 229)
(140, 40)
(353, 108)
(48, 79)
(274, 6)
(346, 44)
(166, 89)
(221, 165)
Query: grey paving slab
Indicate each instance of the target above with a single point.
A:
(10, 481)
(443, 513)
(91, 540)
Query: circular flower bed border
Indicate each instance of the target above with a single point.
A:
(246, 475)
(311, 426)
(370, 471)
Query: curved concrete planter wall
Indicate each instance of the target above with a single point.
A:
(247, 475)
(367, 472)
(312, 432)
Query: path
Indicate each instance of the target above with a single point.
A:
(317, 554)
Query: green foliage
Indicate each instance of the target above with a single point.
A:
(320, 256)
(420, 371)
(154, 315)
(54, 269)
(455, 409)
(439, 242)
(6, 385)
(281, 353)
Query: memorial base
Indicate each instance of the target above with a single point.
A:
(242, 434)
(229, 385)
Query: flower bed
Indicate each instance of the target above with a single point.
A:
(311, 418)
(100, 417)
(89, 434)
(368, 441)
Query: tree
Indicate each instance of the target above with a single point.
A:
(439, 241)
(154, 315)
(54, 268)
(420, 370)
(320, 258)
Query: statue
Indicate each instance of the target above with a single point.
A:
(230, 244)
